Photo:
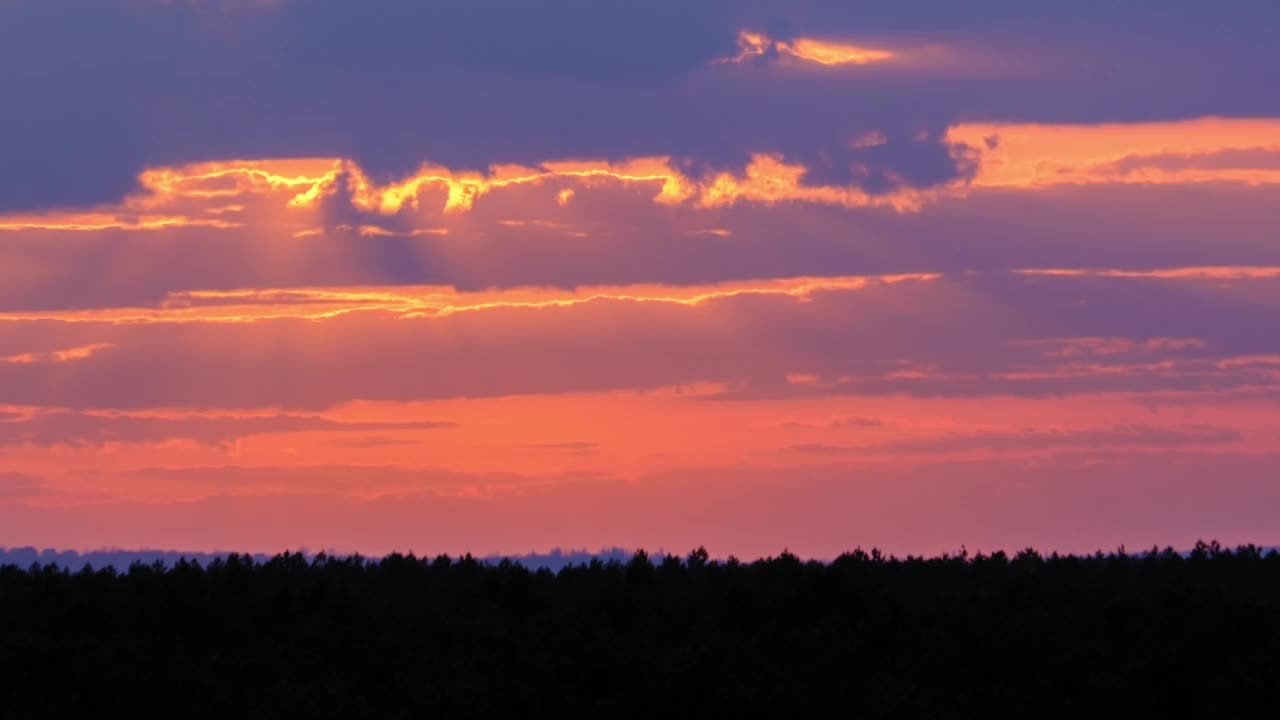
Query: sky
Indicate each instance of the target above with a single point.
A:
(501, 276)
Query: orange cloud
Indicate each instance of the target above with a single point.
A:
(823, 52)
(830, 53)
(251, 305)
(1210, 272)
(307, 178)
(462, 189)
(410, 301)
(375, 231)
(201, 195)
(1207, 149)
(57, 356)
(769, 180)
(94, 221)
(1076, 346)
(864, 336)
(41, 427)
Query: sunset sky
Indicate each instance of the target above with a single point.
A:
(500, 277)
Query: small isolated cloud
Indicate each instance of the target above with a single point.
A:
(56, 356)
(1119, 436)
(821, 52)
(577, 447)
(19, 486)
(840, 422)
(44, 428)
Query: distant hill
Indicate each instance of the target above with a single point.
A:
(554, 560)
(25, 557)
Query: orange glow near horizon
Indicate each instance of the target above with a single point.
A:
(596, 453)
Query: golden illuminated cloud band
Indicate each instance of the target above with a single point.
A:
(211, 195)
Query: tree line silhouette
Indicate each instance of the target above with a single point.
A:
(864, 635)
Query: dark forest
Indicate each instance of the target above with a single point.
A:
(1154, 633)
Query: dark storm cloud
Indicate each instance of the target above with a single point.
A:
(94, 91)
